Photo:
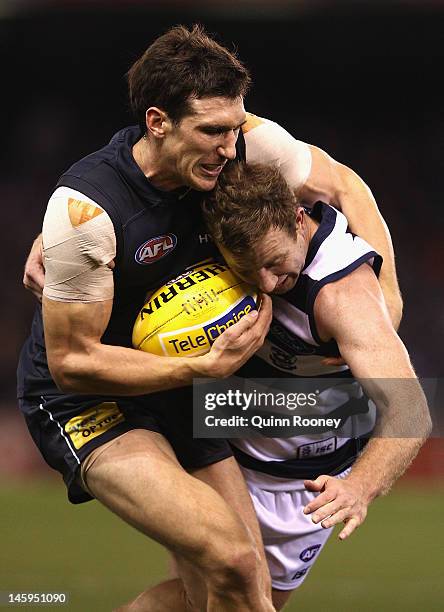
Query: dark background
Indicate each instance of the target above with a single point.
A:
(359, 80)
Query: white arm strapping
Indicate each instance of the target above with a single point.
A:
(268, 143)
(78, 244)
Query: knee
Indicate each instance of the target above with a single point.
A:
(235, 570)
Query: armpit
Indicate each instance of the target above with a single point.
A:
(79, 245)
(268, 143)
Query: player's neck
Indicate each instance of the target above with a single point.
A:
(309, 228)
(148, 162)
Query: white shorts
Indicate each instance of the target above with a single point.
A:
(292, 541)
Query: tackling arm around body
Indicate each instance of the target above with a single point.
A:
(380, 361)
(338, 185)
(34, 272)
(80, 363)
(314, 175)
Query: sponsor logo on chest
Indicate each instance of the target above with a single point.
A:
(155, 248)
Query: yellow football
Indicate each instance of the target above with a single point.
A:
(187, 314)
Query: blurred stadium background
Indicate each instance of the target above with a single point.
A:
(359, 79)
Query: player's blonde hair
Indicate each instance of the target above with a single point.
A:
(247, 201)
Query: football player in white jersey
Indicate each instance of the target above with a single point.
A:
(326, 301)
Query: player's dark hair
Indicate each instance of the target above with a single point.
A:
(181, 65)
(247, 201)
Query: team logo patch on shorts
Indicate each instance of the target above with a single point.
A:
(308, 553)
(93, 422)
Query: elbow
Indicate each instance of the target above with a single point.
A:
(66, 384)
(428, 426)
(399, 305)
(67, 375)
(64, 380)
(424, 424)
(395, 306)
(347, 183)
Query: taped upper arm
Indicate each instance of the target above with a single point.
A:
(269, 143)
(79, 246)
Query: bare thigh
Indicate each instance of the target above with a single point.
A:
(139, 478)
(226, 478)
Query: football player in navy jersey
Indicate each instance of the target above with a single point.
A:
(98, 409)
(326, 298)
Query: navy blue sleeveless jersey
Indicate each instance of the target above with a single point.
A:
(294, 349)
(158, 234)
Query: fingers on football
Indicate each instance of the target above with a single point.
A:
(241, 327)
(265, 308)
(255, 323)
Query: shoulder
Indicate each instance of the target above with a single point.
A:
(354, 299)
(79, 246)
(360, 284)
(72, 213)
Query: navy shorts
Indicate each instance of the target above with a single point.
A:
(66, 428)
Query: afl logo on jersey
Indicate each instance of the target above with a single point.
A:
(153, 249)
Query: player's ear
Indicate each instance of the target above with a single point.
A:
(157, 122)
(300, 214)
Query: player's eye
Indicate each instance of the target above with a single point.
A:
(212, 131)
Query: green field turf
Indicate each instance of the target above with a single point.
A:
(394, 562)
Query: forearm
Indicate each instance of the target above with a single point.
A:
(357, 203)
(115, 370)
(382, 462)
(80, 363)
(398, 435)
(34, 273)
(339, 186)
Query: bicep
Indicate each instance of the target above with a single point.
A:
(72, 332)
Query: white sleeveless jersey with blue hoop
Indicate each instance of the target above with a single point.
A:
(293, 348)
(293, 345)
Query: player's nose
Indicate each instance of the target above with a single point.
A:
(266, 280)
(227, 148)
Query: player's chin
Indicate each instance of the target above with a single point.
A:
(203, 185)
(203, 181)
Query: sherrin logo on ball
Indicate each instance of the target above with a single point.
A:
(186, 315)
